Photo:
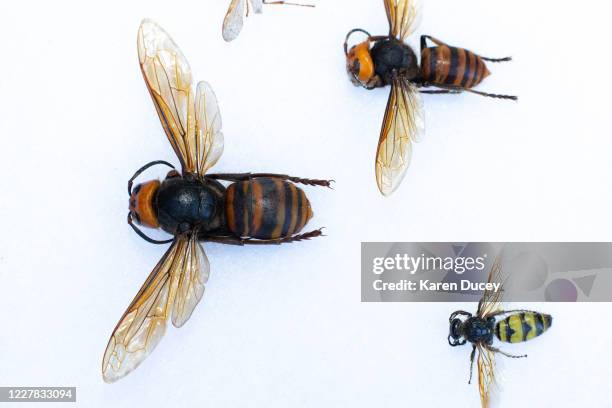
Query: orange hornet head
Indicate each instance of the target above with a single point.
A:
(359, 64)
(142, 199)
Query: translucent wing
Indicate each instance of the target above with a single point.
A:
(234, 19)
(144, 322)
(402, 16)
(490, 301)
(402, 125)
(192, 275)
(177, 280)
(168, 78)
(256, 6)
(486, 375)
(232, 24)
(208, 137)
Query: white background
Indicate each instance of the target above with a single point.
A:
(284, 326)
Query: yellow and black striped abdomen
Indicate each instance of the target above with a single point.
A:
(266, 208)
(521, 327)
(444, 65)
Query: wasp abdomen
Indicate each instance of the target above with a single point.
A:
(453, 66)
(266, 208)
(521, 327)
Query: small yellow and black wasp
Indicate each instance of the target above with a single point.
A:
(380, 61)
(193, 206)
(510, 326)
(232, 24)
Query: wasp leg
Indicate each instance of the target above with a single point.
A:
(472, 355)
(248, 176)
(249, 241)
(496, 350)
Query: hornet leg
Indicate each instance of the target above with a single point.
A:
(505, 59)
(440, 91)
(248, 176)
(249, 241)
(424, 39)
(447, 89)
(437, 42)
(489, 95)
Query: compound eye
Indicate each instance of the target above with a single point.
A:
(137, 189)
(454, 329)
(136, 217)
(355, 67)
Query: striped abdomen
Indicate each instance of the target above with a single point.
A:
(453, 66)
(266, 208)
(521, 327)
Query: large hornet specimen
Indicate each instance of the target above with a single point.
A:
(193, 206)
(510, 326)
(387, 60)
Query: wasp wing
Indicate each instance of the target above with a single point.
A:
(232, 24)
(486, 375)
(402, 16)
(208, 136)
(402, 125)
(168, 78)
(177, 280)
(490, 301)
